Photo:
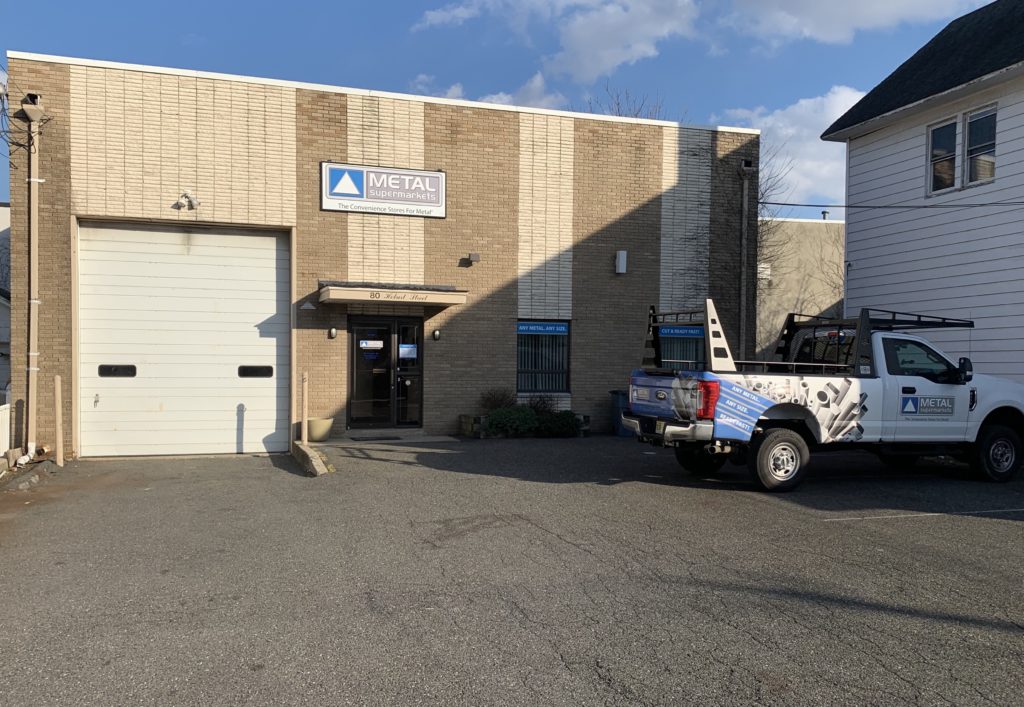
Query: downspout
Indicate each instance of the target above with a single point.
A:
(33, 110)
(745, 170)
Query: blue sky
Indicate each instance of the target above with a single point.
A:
(788, 67)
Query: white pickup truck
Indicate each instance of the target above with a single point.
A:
(860, 382)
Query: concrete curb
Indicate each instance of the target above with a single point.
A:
(311, 460)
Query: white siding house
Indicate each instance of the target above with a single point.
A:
(935, 222)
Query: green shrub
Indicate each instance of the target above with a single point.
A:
(558, 424)
(515, 421)
(497, 398)
(542, 405)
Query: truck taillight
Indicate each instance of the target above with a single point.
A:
(709, 392)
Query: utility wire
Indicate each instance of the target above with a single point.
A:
(895, 206)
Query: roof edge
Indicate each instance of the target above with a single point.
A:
(284, 83)
(994, 78)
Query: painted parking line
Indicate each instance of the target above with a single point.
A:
(893, 516)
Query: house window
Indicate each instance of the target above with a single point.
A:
(942, 156)
(980, 138)
(543, 357)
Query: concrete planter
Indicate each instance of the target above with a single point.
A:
(473, 426)
(320, 428)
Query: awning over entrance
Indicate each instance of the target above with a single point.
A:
(340, 292)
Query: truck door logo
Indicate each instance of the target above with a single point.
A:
(927, 405)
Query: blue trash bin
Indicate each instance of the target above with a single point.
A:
(620, 400)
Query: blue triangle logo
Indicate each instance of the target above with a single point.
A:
(345, 183)
(909, 406)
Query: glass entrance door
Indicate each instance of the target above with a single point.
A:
(387, 373)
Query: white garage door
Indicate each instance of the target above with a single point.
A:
(183, 341)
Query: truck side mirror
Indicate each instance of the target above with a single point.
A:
(966, 370)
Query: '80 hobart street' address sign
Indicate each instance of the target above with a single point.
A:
(381, 190)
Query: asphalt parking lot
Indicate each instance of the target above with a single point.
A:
(509, 572)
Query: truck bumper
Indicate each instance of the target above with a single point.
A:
(668, 432)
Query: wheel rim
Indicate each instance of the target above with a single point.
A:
(1002, 455)
(783, 461)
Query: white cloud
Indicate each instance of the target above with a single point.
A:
(776, 21)
(532, 93)
(817, 169)
(595, 36)
(426, 85)
(597, 40)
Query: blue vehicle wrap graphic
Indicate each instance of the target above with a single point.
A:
(738, 410)
(837, 406)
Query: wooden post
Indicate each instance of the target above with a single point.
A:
(305, 408)
(59, 421)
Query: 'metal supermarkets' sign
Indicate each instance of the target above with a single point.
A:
(381, 190)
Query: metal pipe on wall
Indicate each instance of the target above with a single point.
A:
(744, 211)
(33, 110)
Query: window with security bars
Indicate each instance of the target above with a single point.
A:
(543, 360)
(682, 353)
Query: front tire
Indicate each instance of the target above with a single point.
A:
(778, 459)
(999, 453)
(697, 462)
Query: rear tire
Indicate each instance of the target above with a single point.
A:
(999, 453)
(778, 459)
(695, 460)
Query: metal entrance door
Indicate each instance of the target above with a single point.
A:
(387, 373)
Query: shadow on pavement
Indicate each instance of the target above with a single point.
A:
(836, 482)
(855, 604)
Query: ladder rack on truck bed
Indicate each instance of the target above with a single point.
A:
(808, 344)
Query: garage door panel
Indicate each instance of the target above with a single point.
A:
(178, 444)
(183, 408)
(167, 331)
(212, 342)
(174, 319)
(243, 306)
(186, 309)
(157, 423)
(163, 273)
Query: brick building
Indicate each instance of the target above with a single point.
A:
(204, 240)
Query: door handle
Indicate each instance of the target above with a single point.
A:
(909, 390)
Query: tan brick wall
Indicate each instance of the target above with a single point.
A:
(387, 132)
(545, 216)
(729, 150)
(611, 214)
(322, 253)
(685, 217)
(138, 140)
(55, 248)
(479, 150)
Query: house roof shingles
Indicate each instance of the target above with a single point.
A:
(975, 45)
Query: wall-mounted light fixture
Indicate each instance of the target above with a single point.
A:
(620, 262)
(436, 335)
(332, 333)
(187, 200)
